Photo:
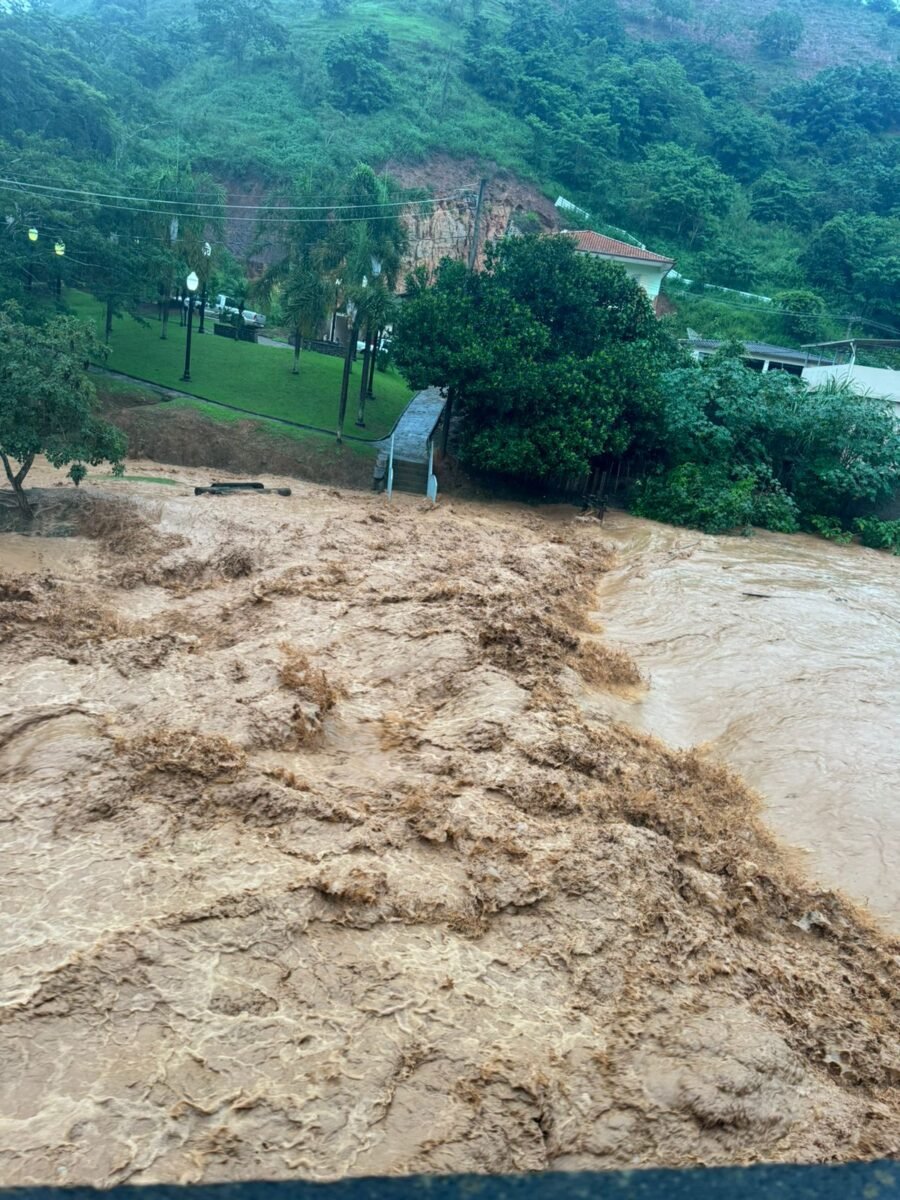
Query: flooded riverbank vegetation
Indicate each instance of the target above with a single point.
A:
(557, 368)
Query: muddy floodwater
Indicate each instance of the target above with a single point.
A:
(782, 655)
(330, 847)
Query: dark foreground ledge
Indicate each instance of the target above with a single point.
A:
(850, 1181)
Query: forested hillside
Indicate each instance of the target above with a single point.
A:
(756, 144)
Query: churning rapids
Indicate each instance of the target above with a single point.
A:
(782, 655)
(330, 847)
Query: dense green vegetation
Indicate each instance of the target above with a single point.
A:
(739, 448)
(551, 357)
(757, 150)
(556, 366)
(703, 132)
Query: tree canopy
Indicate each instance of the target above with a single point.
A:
(48, 404)
(551, 356)
(745, 448)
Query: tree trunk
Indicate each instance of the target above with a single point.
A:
(298, 340)
(165, 320)
(370, 386)
(364, 381)
(353, 334)
(109, 319)
(16, 479)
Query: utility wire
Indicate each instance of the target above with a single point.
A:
(327, 207)
(198, 216)
(774, 311)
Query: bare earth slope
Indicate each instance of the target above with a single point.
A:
(313, 865)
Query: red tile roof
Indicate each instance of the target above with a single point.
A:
(596, 243)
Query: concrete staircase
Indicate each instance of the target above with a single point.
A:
(412, 437)
(408, 476)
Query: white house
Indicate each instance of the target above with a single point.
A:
(645, 267)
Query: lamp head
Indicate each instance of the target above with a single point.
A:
(59, 248)
(192, 281)
(207, 249)
(32, 235)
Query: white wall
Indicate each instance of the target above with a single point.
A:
(649, 277)
(876, 381)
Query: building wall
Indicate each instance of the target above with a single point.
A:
(876, 381)
(647, 275)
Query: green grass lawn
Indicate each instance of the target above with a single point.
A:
(256, 378)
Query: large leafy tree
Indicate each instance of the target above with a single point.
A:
(48, 404)
(858, 260)
(354, 63)
(780, 33)
(241, 29)
(679, 192)
(551, 357)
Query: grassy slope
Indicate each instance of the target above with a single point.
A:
(257, 378)
(287, 120)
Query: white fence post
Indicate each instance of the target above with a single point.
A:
(390, 470)
(432, 485)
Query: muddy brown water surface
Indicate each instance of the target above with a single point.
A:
(781, 655)
(325, 853)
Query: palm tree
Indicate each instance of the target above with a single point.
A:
(299, 274)
(376, 308)
(305, 303)
(371, 244)
(177, 242)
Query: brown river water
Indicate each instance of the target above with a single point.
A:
(329, 846)
(782, 656)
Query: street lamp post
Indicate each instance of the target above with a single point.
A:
(32, 238)
(337, 285)
(59, 249)
(192, 283)
(207, 251)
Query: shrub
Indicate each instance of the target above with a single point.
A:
(832, 529)
(878, 534)
(701, 497)
(715, 500)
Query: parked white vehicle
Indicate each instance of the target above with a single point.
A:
(227, 306)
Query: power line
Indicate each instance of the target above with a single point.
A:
(327, 207)
(773, 311)
(198, 216)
